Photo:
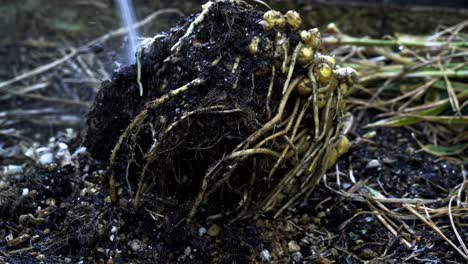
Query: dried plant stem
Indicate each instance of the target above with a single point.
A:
(435, 228)
(348, 40)
(449, 73)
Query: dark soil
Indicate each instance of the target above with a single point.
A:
(81, 224)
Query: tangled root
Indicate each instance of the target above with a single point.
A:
(240, 117)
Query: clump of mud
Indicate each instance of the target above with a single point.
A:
(233, 113)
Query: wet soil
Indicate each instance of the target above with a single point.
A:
(327, 227)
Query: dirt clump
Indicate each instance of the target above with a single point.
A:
(233, 112)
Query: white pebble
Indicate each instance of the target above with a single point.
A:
(293, 246)
(9, 237)
(11, 170)
(63, 154)
(78, 152)
(371, 164)
(42, 150)
(25, 192)
(297, 257)
(4, 185)
(46, 158)
(62, 146)
(201, 231)
(265, 255)
(188, 251)
(136, 245)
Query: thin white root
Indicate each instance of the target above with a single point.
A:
(147, 42)
(311, 76)
(249, 152)
(171, 94)
(270, 90)
(291, 66)
(234, 70)
(196, 22)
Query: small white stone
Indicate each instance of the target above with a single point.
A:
(136, 245)
(188, 251)
(113, 229)
(62, 146)
(46, 158)
(78, 152)
(202, 231)
(11, 170)
(371, 164)
(4, 185)
(30, 153)
(42, 150)
(293, 246)
(25, 192)
(297, 257)
(63, 154)
(9, 237)
(265, 255)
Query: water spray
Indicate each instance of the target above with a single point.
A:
(127, 16)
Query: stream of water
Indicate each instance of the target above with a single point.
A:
(127, 16)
